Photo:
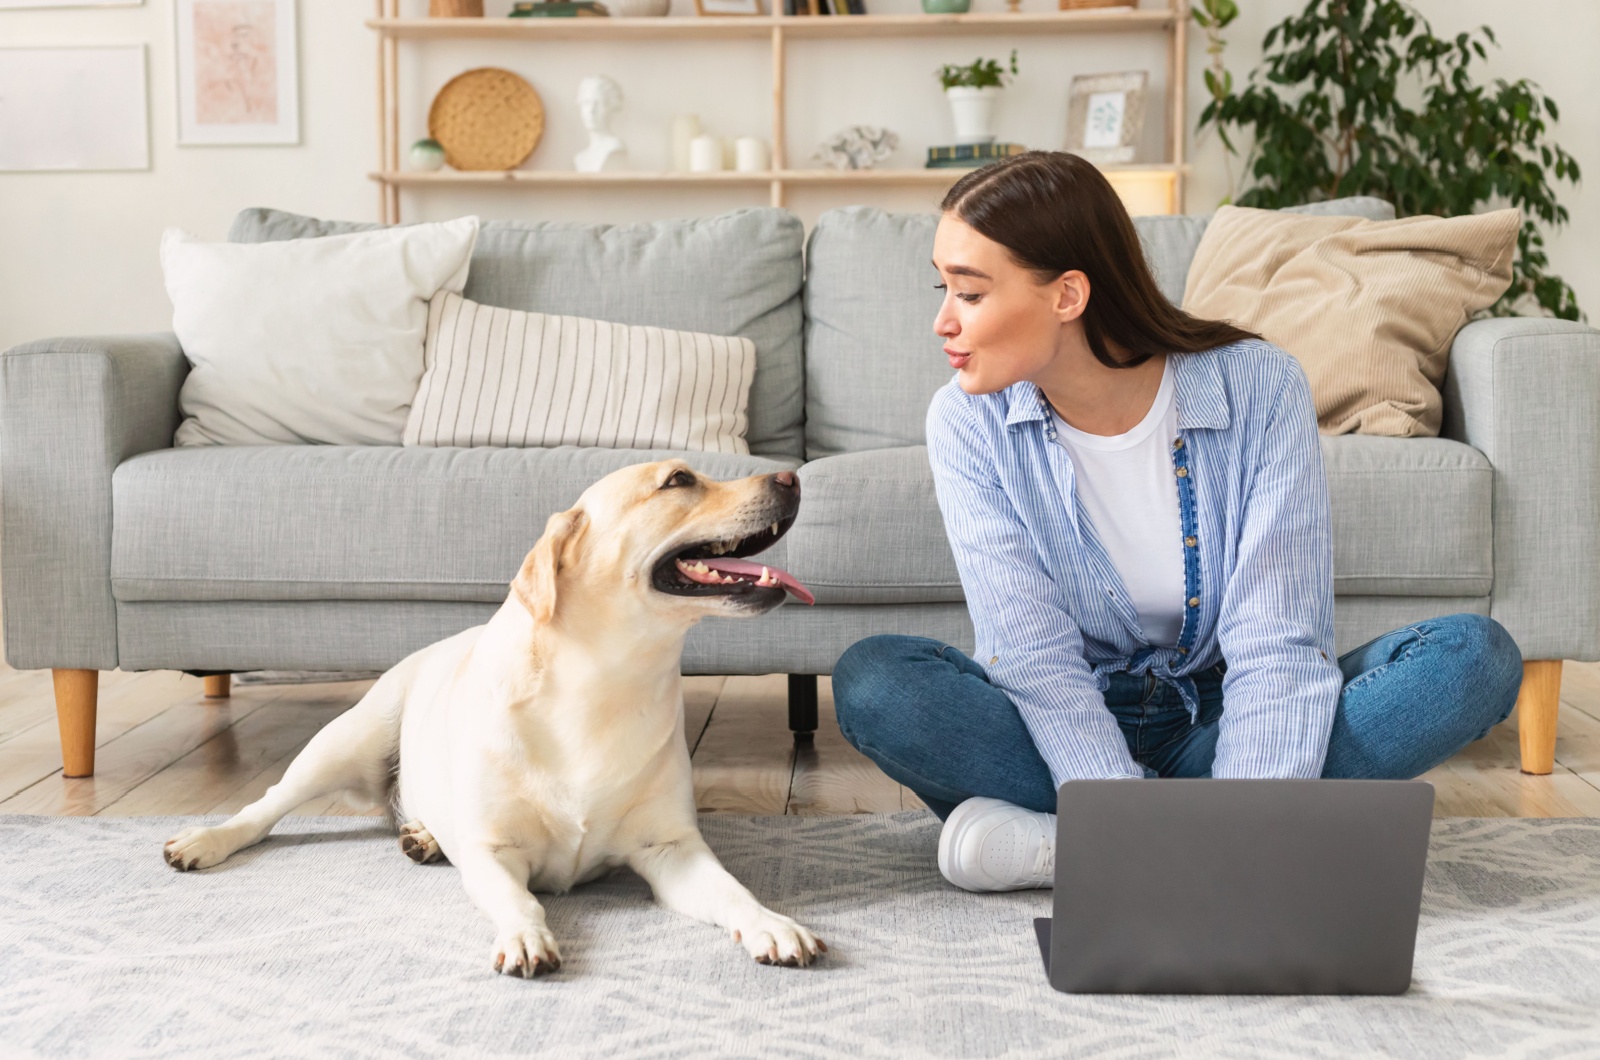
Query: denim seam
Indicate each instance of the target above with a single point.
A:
(1367, 677)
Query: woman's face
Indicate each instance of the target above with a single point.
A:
(1000, 325)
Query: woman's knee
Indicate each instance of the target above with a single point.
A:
(868, 675)
(1488, 661)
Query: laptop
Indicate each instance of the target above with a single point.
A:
(1236, 886)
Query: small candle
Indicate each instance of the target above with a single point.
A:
(705, 154)
(751, 155)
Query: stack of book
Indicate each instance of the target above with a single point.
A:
(967, 156)
(560, 9)
(824, 7)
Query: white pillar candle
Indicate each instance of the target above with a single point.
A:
(705, 154)
(751, 155)
(685, 127)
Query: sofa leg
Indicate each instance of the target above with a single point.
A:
(218, 686)
(803, 706)
(1537, 706)
(77, 694)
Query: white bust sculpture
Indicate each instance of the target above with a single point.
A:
(598, 99)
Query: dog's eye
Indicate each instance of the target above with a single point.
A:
(678, 478)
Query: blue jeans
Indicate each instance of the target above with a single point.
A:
(929, 717)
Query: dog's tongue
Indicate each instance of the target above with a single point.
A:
(753, 570)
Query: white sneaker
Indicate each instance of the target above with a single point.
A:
(991, 845)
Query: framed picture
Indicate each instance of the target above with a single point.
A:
(238, 74)
(73, 109)
(727, 7)
(1105, 114)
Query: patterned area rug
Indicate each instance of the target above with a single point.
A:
(325, 941)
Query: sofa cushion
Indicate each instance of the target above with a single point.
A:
(352, 523)
(872, 359)
(735, 274)
(1410, 518)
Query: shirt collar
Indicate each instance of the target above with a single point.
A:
(1198, 389)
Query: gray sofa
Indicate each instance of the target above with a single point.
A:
(120, 551)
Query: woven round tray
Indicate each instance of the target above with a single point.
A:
(486, 118)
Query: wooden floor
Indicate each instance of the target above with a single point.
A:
(164, 749)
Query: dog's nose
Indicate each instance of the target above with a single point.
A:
(788, 480)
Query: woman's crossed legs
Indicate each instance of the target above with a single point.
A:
(928, 716)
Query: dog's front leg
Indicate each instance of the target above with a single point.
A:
(687, 878)
(497, 883)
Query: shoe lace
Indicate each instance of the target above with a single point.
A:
(1044, 862)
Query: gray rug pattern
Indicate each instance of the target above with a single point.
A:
(325, 941)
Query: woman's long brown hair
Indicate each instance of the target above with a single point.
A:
(1055, 212)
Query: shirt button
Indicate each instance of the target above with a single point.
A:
(1183, 651)
(1183, 472)
(1190, 542)
(994, 659)
(1177, 443)
(1194, 601)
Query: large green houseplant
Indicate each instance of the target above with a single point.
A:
(1358, 97)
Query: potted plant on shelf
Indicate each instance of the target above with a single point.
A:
(972, 91)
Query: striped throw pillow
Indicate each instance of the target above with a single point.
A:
(502, 377)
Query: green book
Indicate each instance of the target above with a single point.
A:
(974, 151)
(560, 9)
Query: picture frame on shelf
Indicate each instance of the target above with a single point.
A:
(727, 7)
(1105, 115)
(238, 72)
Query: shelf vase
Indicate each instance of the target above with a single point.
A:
(945, 7)
(973, 112)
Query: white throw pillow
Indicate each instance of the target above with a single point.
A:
(308, 340)
(508, 378)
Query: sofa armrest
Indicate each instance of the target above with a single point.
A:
(71, 410)
(1526, 393)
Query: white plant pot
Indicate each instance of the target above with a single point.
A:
(973, 111)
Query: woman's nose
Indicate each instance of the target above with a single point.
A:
(945, 325)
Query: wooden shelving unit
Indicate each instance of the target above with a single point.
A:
(1156, 188)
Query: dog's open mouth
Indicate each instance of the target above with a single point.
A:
(718, 568)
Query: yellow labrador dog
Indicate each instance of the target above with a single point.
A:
(546, 747)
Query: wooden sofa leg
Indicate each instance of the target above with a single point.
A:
(218, 686)
(1537, 706)
(77, 694)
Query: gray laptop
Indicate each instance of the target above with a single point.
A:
(1237, 886)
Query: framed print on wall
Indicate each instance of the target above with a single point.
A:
(1105, 113)
(238, 72)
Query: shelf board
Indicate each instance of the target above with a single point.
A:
(1091, 20)
(572, 178)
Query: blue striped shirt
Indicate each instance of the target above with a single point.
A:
(1051, 613)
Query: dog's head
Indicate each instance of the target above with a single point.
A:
(669, 539)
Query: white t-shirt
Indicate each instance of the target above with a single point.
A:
(1125, 484)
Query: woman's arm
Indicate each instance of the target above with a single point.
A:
(1275, 627)
(1018, 609)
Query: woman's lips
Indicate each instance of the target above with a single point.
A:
(958, 359)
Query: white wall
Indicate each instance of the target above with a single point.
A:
(78, 251)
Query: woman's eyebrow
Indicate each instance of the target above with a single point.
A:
(965, 270)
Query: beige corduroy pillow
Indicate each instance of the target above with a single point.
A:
(1369, 308)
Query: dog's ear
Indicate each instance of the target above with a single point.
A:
(535, 583)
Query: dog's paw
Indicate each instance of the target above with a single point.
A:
(772, 938)
(198, 848)
(526, 952)
(418, 844)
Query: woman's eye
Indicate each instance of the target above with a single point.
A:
(939, 287)
(970, 299)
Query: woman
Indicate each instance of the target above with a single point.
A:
(1138, 511)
